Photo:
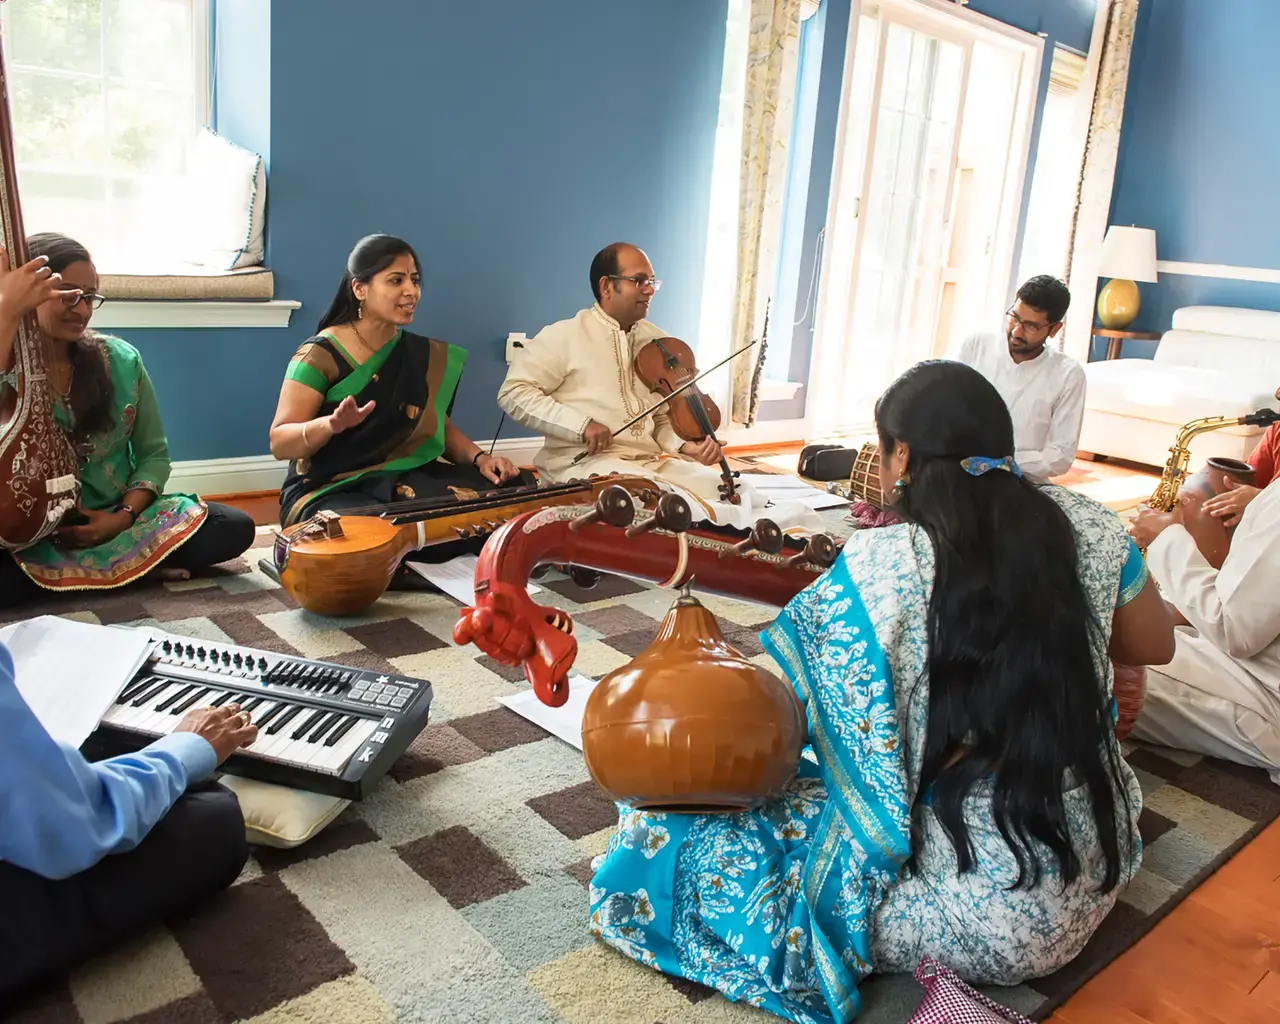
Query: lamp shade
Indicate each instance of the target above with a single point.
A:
(1129, 253)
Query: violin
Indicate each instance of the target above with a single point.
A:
(663, 365)
(39, 479)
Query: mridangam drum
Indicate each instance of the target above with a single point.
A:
(864, 478)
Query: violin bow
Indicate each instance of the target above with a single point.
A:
(667, 398)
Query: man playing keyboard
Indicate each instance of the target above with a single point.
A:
(90, 852)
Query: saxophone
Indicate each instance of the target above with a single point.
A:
(1165, 496)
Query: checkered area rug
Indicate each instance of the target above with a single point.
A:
(457, 891)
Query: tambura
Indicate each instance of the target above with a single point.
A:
(864, 478)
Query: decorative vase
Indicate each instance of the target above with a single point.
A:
(1118, 304)
(690, 725)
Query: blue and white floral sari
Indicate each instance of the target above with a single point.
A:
(791, 906)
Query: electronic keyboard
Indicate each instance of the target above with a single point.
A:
(322, 727)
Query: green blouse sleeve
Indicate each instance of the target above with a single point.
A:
(150, 447)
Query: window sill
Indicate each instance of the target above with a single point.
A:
(778, 390)
(194, 313)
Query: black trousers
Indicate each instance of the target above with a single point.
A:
(226, 533)
(46, 926)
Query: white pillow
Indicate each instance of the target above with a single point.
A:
(225, 195)
(279, 816)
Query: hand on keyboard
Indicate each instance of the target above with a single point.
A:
(226, 728)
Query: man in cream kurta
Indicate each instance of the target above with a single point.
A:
(575, 383)
(1044, 389)
(1221, 693)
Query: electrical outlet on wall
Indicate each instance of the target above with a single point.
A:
(514, 341)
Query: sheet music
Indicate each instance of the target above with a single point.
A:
(456, 577)
(780, 487)
(564, 722)
(69, 672)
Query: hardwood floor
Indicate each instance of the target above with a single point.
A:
(1216, 957)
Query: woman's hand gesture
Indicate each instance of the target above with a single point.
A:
(348, 415)
(29, 286)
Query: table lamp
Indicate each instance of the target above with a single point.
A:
(1128, 256)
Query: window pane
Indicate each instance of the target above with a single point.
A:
(149, 40)
(55, 34)
(107, 96)
(147, 129)
(58, 122)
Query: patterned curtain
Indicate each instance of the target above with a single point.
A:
(773, 49)
(1097, 176)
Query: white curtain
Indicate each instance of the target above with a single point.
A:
(1097, 176)
(773, 48)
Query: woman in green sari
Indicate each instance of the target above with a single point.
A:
(126, 524)
(363, 416)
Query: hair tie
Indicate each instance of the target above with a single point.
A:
(977, 465)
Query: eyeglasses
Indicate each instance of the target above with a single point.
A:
(639, 280)
(93, 300)
(1028, 326)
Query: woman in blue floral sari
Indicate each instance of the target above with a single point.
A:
(962, 794)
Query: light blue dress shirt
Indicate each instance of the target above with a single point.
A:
(60, 814)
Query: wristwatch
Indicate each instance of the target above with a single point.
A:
(133, 515)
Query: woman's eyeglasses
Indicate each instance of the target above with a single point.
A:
(93, 300)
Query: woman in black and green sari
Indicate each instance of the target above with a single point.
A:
(363, 416)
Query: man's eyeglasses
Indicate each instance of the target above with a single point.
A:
(93, 300)
(639, 280)
(1028, 326)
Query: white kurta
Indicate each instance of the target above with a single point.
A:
(581, 369)
(1045, 396)
(1221, 693)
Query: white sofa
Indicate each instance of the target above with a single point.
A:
(1215, 361)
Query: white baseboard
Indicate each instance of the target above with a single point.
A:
(266, 473)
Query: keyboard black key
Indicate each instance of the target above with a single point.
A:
(341, 731)
(151, 693)
(322, 727)
(135, 688)
(275, 712)
(252, 703)
(285, 719)
(310, 719)
(174, 698)
(223, 698)
(321, 735)
(191, 701)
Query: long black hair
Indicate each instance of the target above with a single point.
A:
(92, 393)
(371, 255)
(1015, 650)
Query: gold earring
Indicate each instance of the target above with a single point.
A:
(360, 311)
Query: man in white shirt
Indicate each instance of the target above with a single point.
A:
(1043, 388)
(575, 384)
(1221, 693)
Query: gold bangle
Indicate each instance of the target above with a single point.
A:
(305, 442)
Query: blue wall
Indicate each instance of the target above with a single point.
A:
(508, 141)
(1197, 154)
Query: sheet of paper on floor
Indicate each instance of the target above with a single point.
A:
(783, 487)
(564, 722)
(69, 672)
(456, 577)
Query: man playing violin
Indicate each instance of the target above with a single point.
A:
(575, 383)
